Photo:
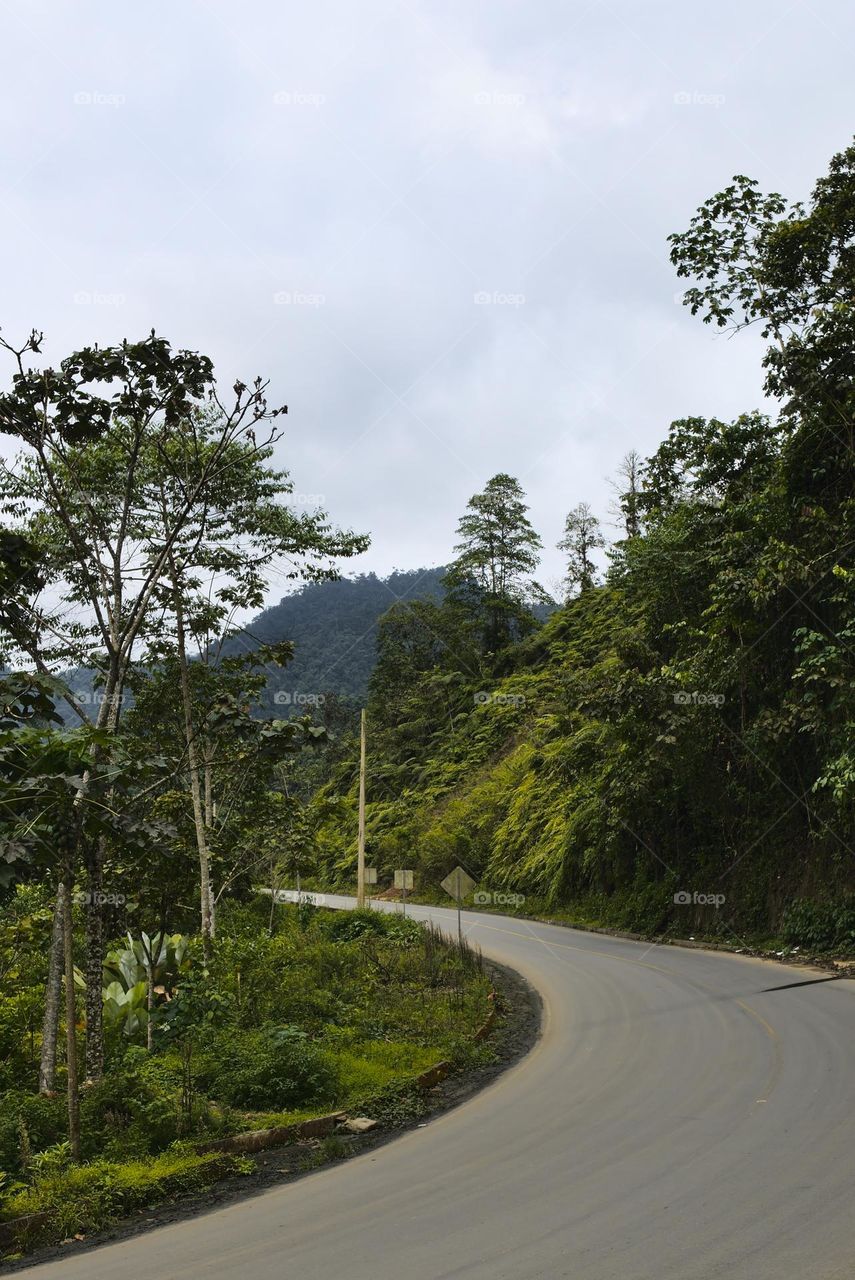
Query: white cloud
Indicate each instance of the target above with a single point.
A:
(418, 155)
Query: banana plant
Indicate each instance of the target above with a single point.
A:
(127, 1006)
(164, 957)
(135, 974)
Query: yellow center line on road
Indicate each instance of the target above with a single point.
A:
(770, 1031)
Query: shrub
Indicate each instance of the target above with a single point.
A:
(822, 926)
(346, 926)
(403, 931)
(20, 1015)
(265, 1070)
(51, 1159)
(28, 1123)
(129, 1110)
(307, 913)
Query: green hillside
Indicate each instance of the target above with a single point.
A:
(333, 627)
(683, 730)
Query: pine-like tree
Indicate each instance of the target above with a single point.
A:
(497, 556)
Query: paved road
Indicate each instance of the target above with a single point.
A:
(685, 1116)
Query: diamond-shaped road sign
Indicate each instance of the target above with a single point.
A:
(458, 883)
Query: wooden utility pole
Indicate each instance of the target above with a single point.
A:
(360, 864)
(70, 1015)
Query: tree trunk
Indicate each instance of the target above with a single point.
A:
(94, 969)
(108, 718)
(273, 892)
(205, 892)
(70, 1021)
(53, 990)
(149, 1005)
(209, 791)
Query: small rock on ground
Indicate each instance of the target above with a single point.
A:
(360, 1124)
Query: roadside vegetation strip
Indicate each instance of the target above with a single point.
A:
(67, 1203)
(321, 1126)
(284, 1037)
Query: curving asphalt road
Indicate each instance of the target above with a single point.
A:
(686, 1115)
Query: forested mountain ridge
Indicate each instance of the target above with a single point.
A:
(333, 628)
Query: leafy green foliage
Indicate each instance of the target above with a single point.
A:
(263, 1070)
(820, 926)
(492, 575)
(313, 1017)
(356, 924)
(138, 975)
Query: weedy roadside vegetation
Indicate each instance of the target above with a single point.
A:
(330, 1011)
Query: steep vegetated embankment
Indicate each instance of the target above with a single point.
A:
(672, 749)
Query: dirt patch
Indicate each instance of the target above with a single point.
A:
(516, 1029)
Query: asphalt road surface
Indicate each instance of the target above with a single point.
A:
(686, 1115)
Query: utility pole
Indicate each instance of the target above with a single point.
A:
(360, 864)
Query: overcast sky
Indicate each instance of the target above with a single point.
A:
(439, 228)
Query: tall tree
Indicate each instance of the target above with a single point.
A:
(238, 753)
(96, 438)
(239, 531)
(582, 537)
(49, 824)
(498, 554)
(627, 488)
